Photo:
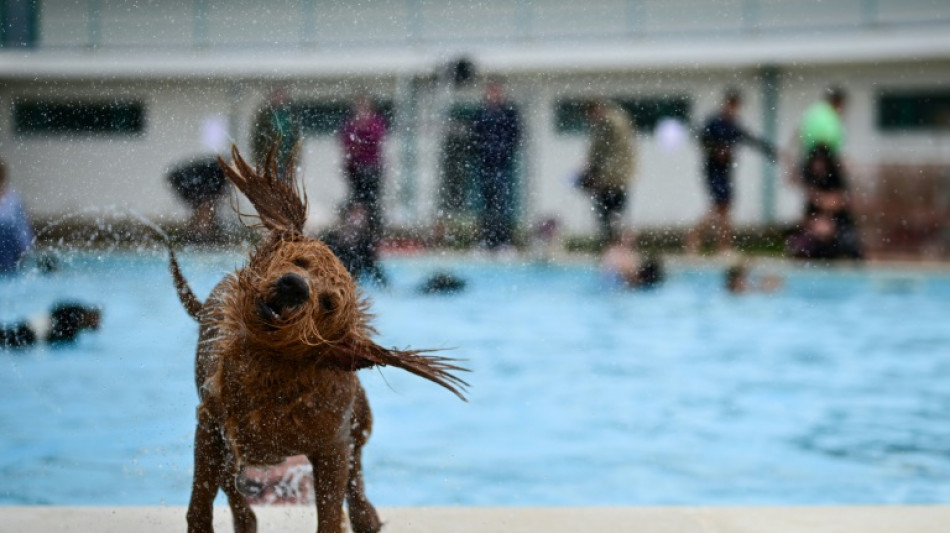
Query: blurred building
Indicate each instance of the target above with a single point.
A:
(99, 98)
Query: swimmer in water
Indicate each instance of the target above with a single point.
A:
(62, 324)
(623, 264)
(738, 282)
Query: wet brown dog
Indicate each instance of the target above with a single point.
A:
(280, 342)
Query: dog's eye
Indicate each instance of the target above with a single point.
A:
(301, 262)
(327, 301)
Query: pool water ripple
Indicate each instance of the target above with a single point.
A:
(831, 391)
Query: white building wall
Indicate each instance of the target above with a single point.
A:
(110, 175)
(332, 49)
(113, 175)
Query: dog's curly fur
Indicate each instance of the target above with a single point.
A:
(280, 341)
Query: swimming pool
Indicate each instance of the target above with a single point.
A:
(832, 391)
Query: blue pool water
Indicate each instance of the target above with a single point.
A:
(832, 391)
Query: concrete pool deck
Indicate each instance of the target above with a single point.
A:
(850, 519)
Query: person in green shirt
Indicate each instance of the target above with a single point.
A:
(829, 227)
(822, 125)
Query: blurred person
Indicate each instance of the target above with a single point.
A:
(496, 132)
(353, 242)
(720, 135)
(456, 158)
(62, 324)
(200, 183)
(829, 229)
(16, 235)
(815, 240)
(546, 244)
(362, 138)
(623, 266)
(822, 124)
(827, 197)
(276, 121)
(610, 164)
(738, 281)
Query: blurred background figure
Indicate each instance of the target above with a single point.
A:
(720, 136)
(623, 266)
(455, 165)
(63, 323)
(354, 243)
(200, 183)
(829, 228)
(16, 234)
(827, 195)
(822, 126)
(608, 170)
(362, 139)
(276, 120)
(546, 244)
(738, 281)
(496, 132)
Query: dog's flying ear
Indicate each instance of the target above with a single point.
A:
(278, 202)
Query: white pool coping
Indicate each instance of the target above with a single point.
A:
(850, 519)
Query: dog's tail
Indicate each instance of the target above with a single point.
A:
(191, 302)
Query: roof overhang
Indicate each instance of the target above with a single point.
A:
(859, 47)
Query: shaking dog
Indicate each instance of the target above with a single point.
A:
(280, 342)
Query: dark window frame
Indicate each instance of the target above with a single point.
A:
(913, 110)
(19, 23)
(82, 117)
(644, 111)
(325, 117)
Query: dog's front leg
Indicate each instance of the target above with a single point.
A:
(363, 517)
(330, 472)
(209, 461)
(244, 519)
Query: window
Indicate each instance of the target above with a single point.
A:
(570, 114)
(327, 117)
(913, 110)
(19, 23)
(79, 118)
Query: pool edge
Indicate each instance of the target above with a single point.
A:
(838, 519)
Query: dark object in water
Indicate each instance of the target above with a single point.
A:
(651, 273)
(442, 283)
(64, 322)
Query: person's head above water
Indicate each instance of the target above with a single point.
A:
(651, 273)
(736, 278)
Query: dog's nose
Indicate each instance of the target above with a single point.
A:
(290, 290)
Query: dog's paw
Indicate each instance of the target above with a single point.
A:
(365, 519)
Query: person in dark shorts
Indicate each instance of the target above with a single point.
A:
(719, 137)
